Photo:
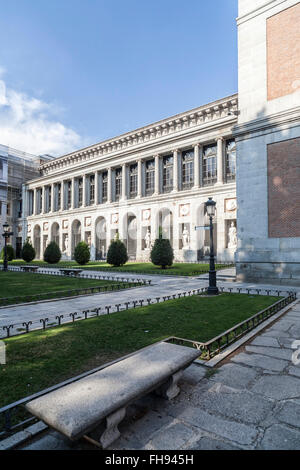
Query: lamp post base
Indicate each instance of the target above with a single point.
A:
(212, 291)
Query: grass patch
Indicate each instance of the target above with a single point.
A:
(178, 269)
(43, 358)
(15, 284)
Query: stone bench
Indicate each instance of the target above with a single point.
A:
(102, 397)
(68, 271)
(29, 269)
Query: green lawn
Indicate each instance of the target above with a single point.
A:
(14, 284)
(179, 269)
(43, 358)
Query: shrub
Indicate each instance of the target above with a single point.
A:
(10, 253)
(52, 253)
(82, 253)
(117, 253)
(28, 252)
(162, 252)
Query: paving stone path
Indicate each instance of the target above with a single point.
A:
(161, 286)
(250, 402)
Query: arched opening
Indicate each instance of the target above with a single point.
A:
(55, 233)
(37, 241)
(101, 234)
(130, 232)
(165, 221)
(76, 235)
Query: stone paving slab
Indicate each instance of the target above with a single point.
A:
(260, 361)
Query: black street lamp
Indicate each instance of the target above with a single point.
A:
(6, 234)
(211, 211)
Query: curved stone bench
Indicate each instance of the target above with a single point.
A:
(102, 397)
(70, 271)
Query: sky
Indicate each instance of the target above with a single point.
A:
(76, 72)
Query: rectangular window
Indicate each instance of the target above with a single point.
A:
(209, 165)
(58, 202)
(167, 174)
(118, 193)
(1, 169)
(187, 169)
(49, 199)
(230, 160)
(133, 176)
(150, 177)
(80, 192)
(69, 194)
(104, 186)
(92, 190)
(40, 200)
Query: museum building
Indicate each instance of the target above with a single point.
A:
(160, 175)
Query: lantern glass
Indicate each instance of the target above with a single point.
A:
(5, 227)
(210, 207)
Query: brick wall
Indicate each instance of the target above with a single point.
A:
(284, 189)
(283, 52)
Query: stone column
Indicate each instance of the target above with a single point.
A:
(34, 201)
(53, 198)
(84, 192)
(175, 170)
(196, 167)
(140, 179)
(73, 194)
(96, 188)
(124, 182)
(109, 185)
(43, 200)
(62, 195)
(157, 175)
(220, 160)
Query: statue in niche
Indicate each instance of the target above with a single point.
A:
(66, 245)
(185, 238)
(89, 240)
(232, 238)
(148, 239)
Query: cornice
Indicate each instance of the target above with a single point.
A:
(269, 5)
(150, 134)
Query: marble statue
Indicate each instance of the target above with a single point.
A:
(232, 238)
(185, 238)
(148, 240)
(89, 240)
(66, 245)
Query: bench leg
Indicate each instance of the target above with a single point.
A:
(112, 432)
(170, 389)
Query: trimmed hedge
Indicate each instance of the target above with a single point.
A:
(82, 253)
(52, 253)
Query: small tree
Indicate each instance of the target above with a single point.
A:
(162, 253)
(28, 252)
(10, 253)
(117, 253)
(52, 253)
(82, 253)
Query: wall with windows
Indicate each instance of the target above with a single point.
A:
(158, 176)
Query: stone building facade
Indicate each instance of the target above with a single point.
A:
(16, 167)
(268, 141)
(160, 175)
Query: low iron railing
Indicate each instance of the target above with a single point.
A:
(206, 350)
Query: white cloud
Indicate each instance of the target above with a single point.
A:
(31, 125)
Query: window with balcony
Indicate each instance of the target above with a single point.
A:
(133, 180)
(104, 186)
(230, 160)
(187, 163)
(209, 165)
(92, 189)
(150, 177)
(69, 194)
(167, 174)
(80, 191)
(118, 192)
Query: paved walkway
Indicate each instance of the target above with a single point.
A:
(250, 402)
(161, 286)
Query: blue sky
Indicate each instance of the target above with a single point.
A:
(75, 72)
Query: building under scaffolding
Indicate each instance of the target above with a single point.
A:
(16, 168)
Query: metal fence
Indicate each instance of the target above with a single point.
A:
(14, 415)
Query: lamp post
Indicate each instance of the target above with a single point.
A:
(6, 234)
(211, 211)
